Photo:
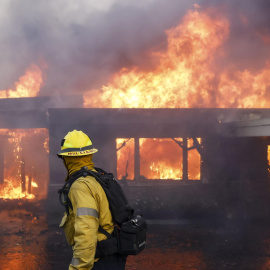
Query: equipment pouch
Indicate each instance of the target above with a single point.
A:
(106, 247)
(132, 236)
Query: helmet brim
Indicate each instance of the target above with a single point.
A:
(77, 152)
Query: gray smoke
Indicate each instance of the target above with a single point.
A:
(249, 22)
(83, 44)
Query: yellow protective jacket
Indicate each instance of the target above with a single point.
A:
(90, 209)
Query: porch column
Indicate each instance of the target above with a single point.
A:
(136, 159)
(185, 159)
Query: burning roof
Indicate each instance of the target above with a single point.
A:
(215, 55)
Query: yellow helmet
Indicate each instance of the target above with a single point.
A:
(76, 143)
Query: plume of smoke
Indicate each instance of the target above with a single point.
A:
(248, 44)
(82, 43)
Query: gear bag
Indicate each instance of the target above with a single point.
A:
(129, 236)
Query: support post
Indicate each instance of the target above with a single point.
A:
(185, 159)
(136, 159)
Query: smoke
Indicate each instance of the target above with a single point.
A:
(80, 44)
(249, 39)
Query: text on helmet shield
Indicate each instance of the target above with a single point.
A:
(79, 153)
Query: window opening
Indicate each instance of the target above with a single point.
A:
(158, 158)
(125, 158)
(194, 160)
(24, 163)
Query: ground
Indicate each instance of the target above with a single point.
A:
(29, 243)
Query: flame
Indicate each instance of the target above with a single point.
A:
(244, 89)
(183, 77)
(194, 160)
(187, 74)
(18, 162)
(34, 184)
(160, 158)
(46, 145)
(161, 171)
(125, 158)
(9, 191)
(28, 85)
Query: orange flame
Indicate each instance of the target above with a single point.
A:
(183, 77)
(244, 89)
(46, 145)
(34, 184)
(17, 175)
(125, 158)
(27, 86)
(9, 191)
(187, 75)
(159, 159)
(162, 171)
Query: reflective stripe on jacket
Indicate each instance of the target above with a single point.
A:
(90, 209)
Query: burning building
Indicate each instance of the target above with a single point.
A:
(175, 95)
(172, 163)
(180, 163)
(24, 138)
(177, 124)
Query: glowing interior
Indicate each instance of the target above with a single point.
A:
(24, 166)
(159, 158)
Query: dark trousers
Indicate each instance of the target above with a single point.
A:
(111, 262)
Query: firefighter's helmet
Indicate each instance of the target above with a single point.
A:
(76, 143)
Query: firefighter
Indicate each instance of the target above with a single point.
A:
(90, 208)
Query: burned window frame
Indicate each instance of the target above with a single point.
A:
(197, 144)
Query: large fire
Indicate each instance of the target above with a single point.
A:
(28, 85)
(24, 163)
(187, 74)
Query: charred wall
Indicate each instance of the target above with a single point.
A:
(234, 183)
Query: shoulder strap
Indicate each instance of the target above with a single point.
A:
(63, 193)
(102, 230)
